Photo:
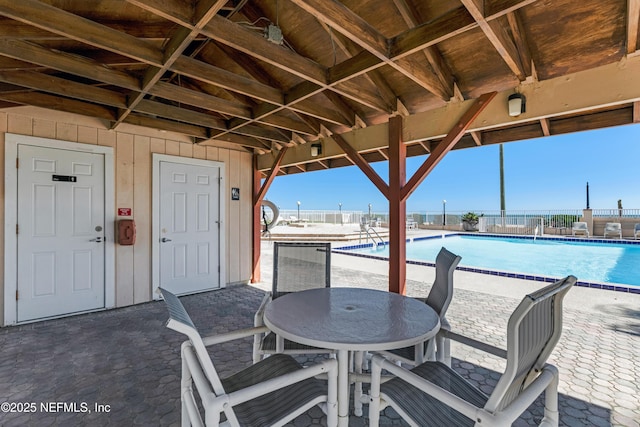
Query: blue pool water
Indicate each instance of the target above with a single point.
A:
(590, 261)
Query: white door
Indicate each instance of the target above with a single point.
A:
(189, 221)
(61, 211)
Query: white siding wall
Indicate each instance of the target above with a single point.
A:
(133, 148)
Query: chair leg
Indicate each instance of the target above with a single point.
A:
(374, 392)
(551, 416)
(332, 398)
(357, 392)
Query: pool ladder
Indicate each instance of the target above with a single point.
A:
(370, 233)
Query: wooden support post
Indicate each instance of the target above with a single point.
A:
(397, 208)
(257, 178)
(258, 194)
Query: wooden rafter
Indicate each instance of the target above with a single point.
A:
(498, 37)
(544, 124)
(412, 18)
(633, 22)
(176, 45)
(520, 40)
(356, 29)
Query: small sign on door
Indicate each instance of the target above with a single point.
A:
(235, 193)
(124, 211)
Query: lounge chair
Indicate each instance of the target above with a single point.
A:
(580, 228)
(270, 393)
(297, 266)
(433, 394)
(613, 229)
(439, 299)
(636, 231)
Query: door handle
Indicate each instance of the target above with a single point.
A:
(97, 239)
(164, 240)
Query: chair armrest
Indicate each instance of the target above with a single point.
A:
(257, 318)
(329, 366)
(487, 348)
(378, 363)
(235, 335)
(547, 379)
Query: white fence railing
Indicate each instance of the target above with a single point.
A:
(624, 213)
(328, 217)
(557, 221)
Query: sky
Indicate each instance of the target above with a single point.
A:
(540, 174)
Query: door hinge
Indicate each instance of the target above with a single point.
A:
(17, 295)
(17, 229)
(17, 163)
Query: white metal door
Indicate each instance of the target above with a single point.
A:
(61, 211)
(189, 227)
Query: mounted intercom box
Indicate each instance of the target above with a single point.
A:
(126, 232)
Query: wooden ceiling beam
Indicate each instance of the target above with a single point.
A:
(520, 40)
(385, 91)
(62, 87)
(245, 40)
(12, 29)
(477, 138)
(345, 21)
(633, 21)
(57, 103)
(253, 12)
(198, 99)
(498, 37)
(72, 26)
(66, 63)
(175, 46)
(609, 86)
(216, 76)
(544, 124)
(441, 70)
(172, 10)
(342, 19)
(431, 33)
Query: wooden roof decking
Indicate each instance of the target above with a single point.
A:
(206, 69)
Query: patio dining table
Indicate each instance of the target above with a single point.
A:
(350, 319)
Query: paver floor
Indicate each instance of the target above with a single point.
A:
(122, 367)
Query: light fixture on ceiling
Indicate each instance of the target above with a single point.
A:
(316, 150)
(517, 104)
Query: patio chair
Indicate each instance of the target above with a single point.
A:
(297, 266)
(580, 228)
(636, 231)
(270, 393)
(433, 394)
(439, 299)
(613, 229)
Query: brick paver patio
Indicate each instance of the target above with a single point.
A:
(128, 362)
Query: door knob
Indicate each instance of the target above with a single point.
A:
(97, 239)
(164, 240)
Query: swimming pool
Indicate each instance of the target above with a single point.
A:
(596, 263)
